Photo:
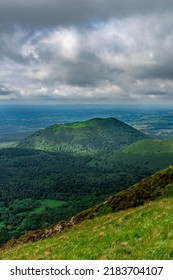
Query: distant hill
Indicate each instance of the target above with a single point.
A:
(152, 154)
(133, 224)
(87, 138)
(150, 146)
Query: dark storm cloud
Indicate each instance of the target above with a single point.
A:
(157, 93)
(86, 70)
(162, 95)
(4, 91)
(70, 12)
(163, 71)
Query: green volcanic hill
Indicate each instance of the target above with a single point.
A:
(87, 138)
(133, 224)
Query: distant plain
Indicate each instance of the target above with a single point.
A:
(19, 121)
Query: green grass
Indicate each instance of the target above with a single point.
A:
(149, 154)
(150, 146)
(4, 145)
(145, 232)
(48, 203)
(133, 224)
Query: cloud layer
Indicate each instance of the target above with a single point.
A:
(88, 51)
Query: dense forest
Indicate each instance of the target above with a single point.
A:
(39, 188)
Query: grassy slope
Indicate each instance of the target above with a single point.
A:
(88, 138)
(141, 232)
(48, 203)
(150, 154)
(148, 146)
(5, 145)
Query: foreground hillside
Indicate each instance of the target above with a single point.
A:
(141, 233)
(134, 224)
(87, 138)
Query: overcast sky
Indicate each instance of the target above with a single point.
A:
(83, 51)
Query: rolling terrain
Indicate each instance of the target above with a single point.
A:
(133, 224)
(38, 188)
